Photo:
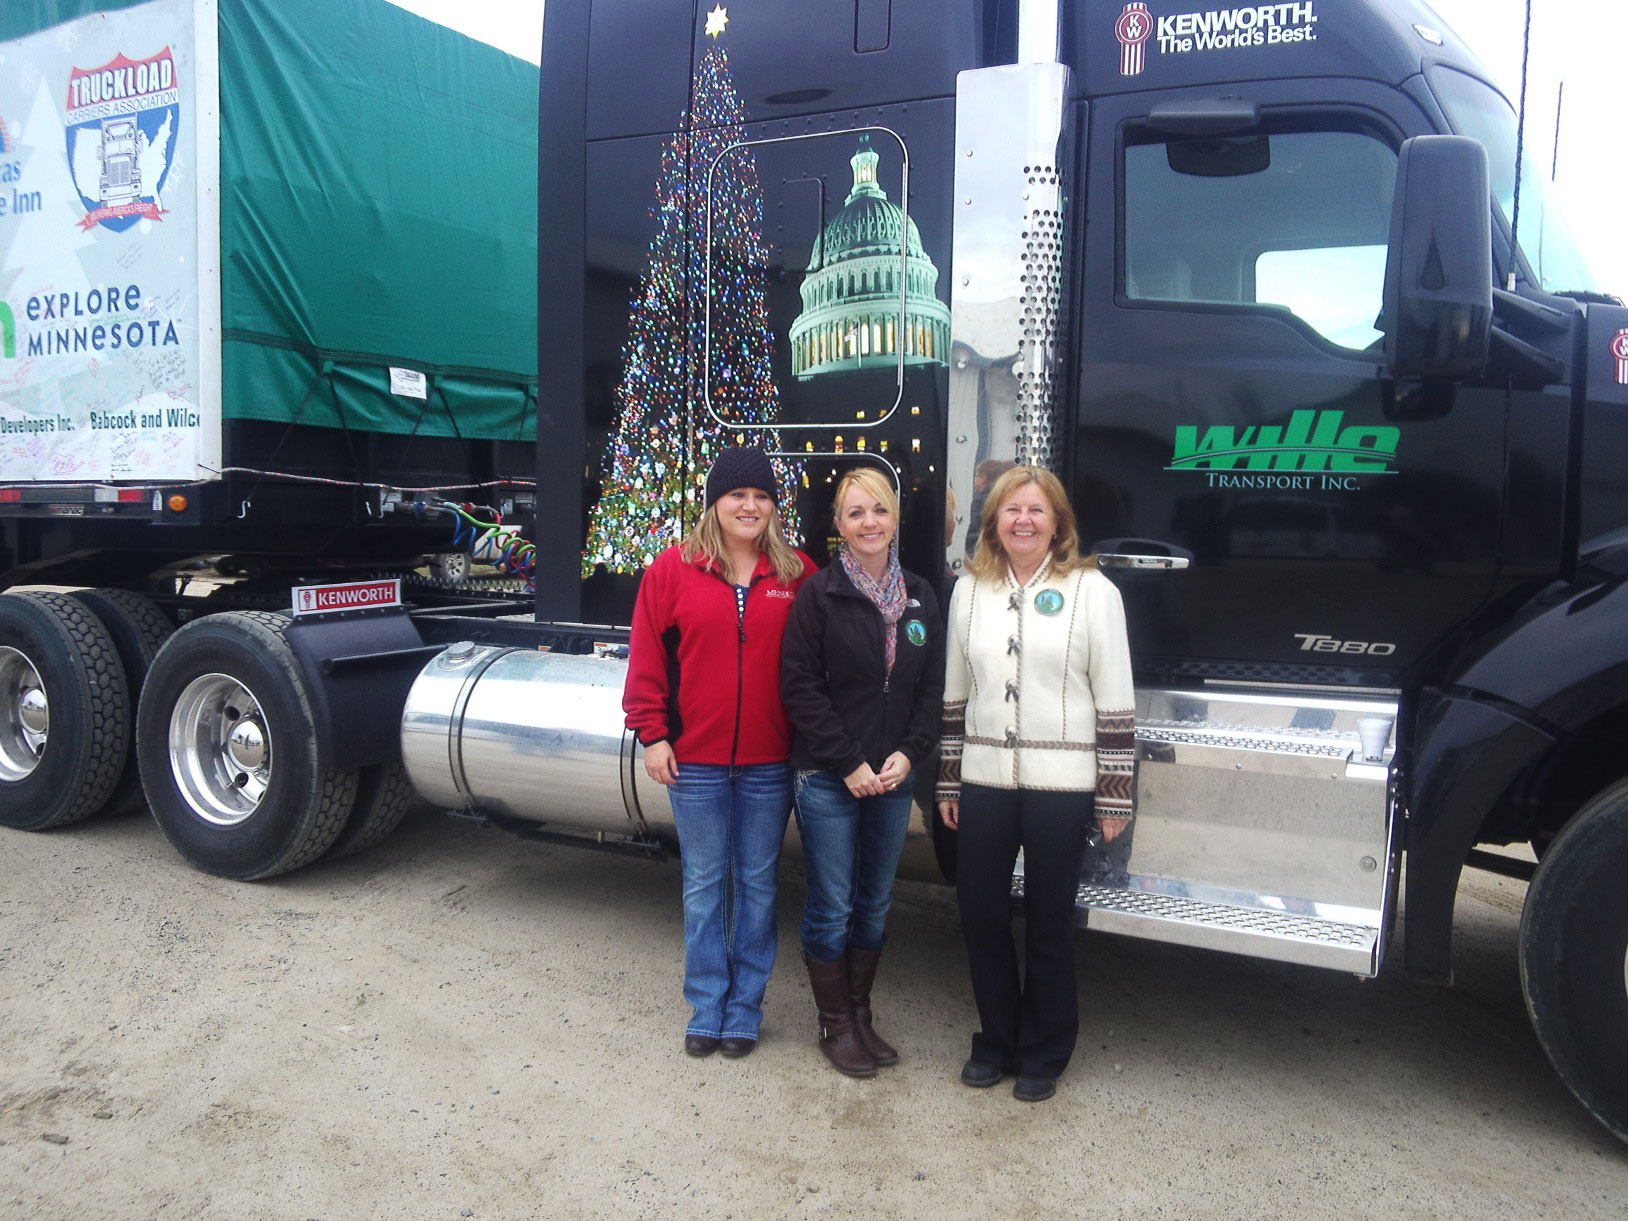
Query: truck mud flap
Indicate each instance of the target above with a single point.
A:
(1264, 826)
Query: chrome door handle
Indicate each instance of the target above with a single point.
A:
(1142, 563)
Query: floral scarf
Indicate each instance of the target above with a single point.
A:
(888, 595)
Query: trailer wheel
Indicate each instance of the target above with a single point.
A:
(451, 566)
(228, 752)
(1574, 956)
(383, 794)
(64, 711)
(139, 630)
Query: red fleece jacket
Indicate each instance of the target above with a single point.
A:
(702, 676)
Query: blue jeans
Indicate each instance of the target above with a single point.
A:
(731, 823)
(851, 849)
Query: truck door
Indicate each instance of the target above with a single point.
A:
(1232, 402)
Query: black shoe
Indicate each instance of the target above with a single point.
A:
(980, 1075)
(1033, 1089)
(736, 1046)
(700, 1044)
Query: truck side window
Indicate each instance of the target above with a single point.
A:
(1290, 221)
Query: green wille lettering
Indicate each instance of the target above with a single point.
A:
(8, 332)
(1310, 441)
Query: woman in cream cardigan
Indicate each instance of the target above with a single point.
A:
(1038, 741)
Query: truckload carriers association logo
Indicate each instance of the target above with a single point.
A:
(120, 126)
(1314, 451)
(1222, 29)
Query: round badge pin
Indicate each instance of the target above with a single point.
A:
(915, 631)
(1048, 602)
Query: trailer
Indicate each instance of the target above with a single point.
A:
(1247, 278)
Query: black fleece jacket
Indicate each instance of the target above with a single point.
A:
(845, 707)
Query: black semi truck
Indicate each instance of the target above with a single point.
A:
(1268, 287)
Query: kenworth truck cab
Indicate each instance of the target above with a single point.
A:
(1247, 278)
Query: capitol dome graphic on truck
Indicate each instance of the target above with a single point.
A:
(851, 294)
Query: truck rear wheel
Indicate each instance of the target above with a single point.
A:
(383, 794)
(1574, 956)
(228, 753)
(64, 711)
(138, 629)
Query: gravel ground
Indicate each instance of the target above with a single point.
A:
(459, 1024)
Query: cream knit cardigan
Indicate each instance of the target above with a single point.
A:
(1037, 688)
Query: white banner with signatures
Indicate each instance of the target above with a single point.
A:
(109, 267)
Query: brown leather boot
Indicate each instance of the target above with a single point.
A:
(861, 975)
(838, 1038)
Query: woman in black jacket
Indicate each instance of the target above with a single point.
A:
(862, 678)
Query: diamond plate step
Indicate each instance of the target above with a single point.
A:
(1139, 910)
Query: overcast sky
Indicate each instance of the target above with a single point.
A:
(1580, 42)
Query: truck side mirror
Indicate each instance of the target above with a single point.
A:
(1438, 269)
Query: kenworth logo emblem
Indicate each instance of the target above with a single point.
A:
(1619, 349)
(120, 129)
(1132, 29)
(1314, 450)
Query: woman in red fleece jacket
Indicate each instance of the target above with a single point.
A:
(703, 696)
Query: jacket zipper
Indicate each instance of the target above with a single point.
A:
(887, 675)
(740, 660)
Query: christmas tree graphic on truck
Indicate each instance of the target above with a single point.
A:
(663, 438)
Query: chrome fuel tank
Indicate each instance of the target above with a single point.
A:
(529, 735)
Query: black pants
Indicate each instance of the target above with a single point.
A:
(1028, 1026)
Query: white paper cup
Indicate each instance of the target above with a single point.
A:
(1375, 733)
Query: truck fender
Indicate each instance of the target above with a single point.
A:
(358, 667)
(1560, 662)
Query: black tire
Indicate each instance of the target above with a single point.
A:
(383, 794)
(241, 794)
(139, 630)
(1574, 956)
(64, 712)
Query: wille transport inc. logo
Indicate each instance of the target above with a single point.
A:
(121, 126)
(1315, 450)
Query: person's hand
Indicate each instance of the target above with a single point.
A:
(894, 770)
(862, 782)
(1112, 827)
(659, 763)
(950, 811)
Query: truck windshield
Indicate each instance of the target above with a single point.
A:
(1477, 110)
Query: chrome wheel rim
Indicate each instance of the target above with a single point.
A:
(25, 715)
(220, 749)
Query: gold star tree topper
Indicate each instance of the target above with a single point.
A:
(717, 19)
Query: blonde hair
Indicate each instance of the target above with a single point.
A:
(707, 539)
(872, 482)
(988, 562)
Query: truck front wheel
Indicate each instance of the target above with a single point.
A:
(228, 753)
(1574, 956)
(64, 712)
